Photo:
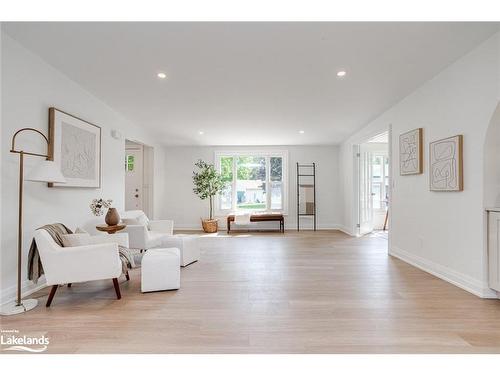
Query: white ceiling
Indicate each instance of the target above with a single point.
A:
(250, 83)
(380, 138)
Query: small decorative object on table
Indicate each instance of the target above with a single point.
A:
(112, 217)
(208, 183)
(97, 207)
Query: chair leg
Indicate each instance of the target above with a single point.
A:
(117, 288)
(51, 295)
(127, 276)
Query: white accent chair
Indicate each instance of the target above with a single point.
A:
(160, 270)
(66, 265)
(145, 234)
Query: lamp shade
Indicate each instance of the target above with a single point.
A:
(46, 171)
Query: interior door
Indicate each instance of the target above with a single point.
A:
(134, 178)
(365, 191)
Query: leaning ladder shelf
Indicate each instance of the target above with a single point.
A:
(307, 171)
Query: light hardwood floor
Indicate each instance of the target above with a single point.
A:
(313, 292)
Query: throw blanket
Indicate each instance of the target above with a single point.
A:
(242, 219)
(35, 267)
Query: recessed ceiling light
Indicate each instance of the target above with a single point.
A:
(162, 75)
(341, 73)
(301, 132)
(201, 132)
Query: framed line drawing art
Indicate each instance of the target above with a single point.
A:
(411, 152)
(75, 145)
(446, 164)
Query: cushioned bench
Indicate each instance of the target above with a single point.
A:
(261, 217)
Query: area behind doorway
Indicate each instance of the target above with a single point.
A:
(139, 177)
(374, 184)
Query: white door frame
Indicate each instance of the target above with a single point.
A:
(355, 178)
(391, 186)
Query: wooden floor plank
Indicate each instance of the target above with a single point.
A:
(307, 292)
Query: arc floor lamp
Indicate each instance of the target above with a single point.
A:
(46, 171)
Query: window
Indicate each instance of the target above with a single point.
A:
(256, 181)
(129, 163)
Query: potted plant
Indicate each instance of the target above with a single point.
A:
(208, 183)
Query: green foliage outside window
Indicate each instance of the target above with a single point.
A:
(129, 162)
(251, 168)
(227, 168)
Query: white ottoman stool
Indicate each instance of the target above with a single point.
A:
(187, 244)
(160, 270)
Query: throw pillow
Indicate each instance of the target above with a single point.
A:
(120, 239)
(75, 239)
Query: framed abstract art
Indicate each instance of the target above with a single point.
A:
(411, 152)
(75, 145)
(446, 164)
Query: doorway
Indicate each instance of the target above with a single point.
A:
(139, 177)
(374, 188)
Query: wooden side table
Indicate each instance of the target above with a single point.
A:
(110, 229)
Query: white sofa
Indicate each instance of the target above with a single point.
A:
(147, 234)
(77, 264)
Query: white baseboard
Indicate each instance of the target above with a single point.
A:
(191, 227)
(345, 229)
(9, 294)
(292, 226)
(474, 286)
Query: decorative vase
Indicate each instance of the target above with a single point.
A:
(112, 217)
(210, 226)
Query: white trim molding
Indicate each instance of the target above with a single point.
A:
(261, 226)
(267, 153)
(471, 285)
(345, 230)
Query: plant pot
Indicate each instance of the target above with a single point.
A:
(112, 217)
(210, 226)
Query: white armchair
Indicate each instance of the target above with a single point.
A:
(77, 264)
(147, 234)
(144, 233)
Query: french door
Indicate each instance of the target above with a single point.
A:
(365, 222)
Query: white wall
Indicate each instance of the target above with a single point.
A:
(186, 208)
(1, 154)
(438, 231)
(492, 162)
(29, 88)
